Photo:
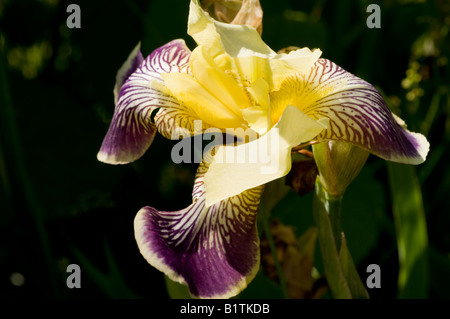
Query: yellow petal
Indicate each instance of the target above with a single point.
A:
(299, 91)
(258, 116)
(253, 68)
(242, 41)
(256, 58)
(236, 40)
(235, 169)
(298, 61)
(259, 91)
(223, 86)
(202, 28)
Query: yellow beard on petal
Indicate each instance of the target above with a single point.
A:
(296, 90)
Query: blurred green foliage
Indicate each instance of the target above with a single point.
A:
(59, 205)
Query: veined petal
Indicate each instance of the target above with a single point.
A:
(131, 131)
(173, 120)
(134, 60)
(235, 169)
(214, 250)
(297, 61)
(357, 113)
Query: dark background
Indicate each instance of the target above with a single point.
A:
(59, 205)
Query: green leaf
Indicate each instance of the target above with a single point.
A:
(357, 288)
(411, 231)
(177, 290)
(363, 212)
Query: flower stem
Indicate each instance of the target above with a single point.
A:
(334, 210)
(340, 271)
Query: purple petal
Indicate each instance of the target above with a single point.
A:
(359, 115)
(131, 131)
(134, 61)
(214, 250)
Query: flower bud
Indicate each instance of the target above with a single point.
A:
(338, 163)
(248, 12)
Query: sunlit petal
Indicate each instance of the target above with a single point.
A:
(243, 41)
(214, 250)
(131, 131)
(258, 116)
(218, 82)
(236, 40)
(357, 112)
(235, 169)
(200, 101)
(295, 62)
(211, 93)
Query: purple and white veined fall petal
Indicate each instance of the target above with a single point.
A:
(214, 250)
(357, 113)
(133, 61)
(131, 131)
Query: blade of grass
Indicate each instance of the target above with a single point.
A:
(411, 231)
(355, 283)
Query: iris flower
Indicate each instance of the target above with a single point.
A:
(232, 79)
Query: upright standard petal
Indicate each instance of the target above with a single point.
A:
(236, 40)
(356, 110)
(211, 93)
(131, 131)
(243, 42)
(214, 250)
